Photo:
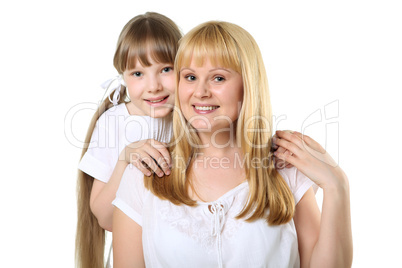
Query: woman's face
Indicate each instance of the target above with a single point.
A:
(210, 96)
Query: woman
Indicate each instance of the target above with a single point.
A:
(224, 203)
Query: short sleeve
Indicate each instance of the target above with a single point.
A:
(131, 194)
(102, 154)
(298, 182)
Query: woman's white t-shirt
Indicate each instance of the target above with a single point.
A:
(209, 235)
(114, 130)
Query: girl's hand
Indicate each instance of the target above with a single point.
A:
(279, 163)
(148, 155)
(311, 159)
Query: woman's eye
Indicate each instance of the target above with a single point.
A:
(167, 69)
(190, 77)
(219, 79)
(137, 74)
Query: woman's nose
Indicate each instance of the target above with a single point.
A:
(202, 90)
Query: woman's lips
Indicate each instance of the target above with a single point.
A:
(204, 109)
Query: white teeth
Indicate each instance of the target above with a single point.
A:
(155, 101)
(206, 108)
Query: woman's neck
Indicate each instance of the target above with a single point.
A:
(217, 168)
(216, 143)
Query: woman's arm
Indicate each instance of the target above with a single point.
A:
(127, 241)
(103, 194)
(325, 242)
(307, 220)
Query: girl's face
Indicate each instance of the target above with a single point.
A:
(210, 96)
(151, 89)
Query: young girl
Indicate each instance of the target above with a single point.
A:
(126, 126)
(223, 205)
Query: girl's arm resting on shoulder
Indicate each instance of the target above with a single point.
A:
(325, 242)
(103, 194)
(151, 152)
(127, 241)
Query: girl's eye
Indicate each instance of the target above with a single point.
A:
(190, 77)
(137, 74)
(167, 69)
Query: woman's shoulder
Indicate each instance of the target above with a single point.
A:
(297, 182)
(132, 178)
(132, 189)
(131, 194)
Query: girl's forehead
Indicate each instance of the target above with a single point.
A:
(146, 58)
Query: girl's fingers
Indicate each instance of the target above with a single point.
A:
(135, 160)
(151, 163)
(163, 151)
(142, 168)
(160, 161)
(166, 156)
(160, 155)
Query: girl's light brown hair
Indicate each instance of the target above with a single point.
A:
(230, 46)
(150, 34)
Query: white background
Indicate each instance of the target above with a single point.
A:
(342, 54)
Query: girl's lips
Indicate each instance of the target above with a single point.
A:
(157, 101)
(204, 109)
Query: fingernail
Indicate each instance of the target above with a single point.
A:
(168, 172)
(148, 174)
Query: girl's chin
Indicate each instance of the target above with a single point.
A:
(159, 113)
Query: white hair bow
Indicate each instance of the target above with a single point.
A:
(114, 84)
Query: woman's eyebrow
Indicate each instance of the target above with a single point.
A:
(220, 69)
(212, 70)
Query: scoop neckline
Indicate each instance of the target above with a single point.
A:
(226, 195)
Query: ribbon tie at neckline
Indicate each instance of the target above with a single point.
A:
(217, 222)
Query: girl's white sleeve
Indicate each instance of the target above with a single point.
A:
(298, 182)
(131, 193)
(102, 154)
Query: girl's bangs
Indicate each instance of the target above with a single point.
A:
(147, 45)
(144, 52)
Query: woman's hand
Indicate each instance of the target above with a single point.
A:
(148, 155)
(279, 163)
(310, 158)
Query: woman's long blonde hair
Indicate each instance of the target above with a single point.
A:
(230, 46)
(148, 34)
